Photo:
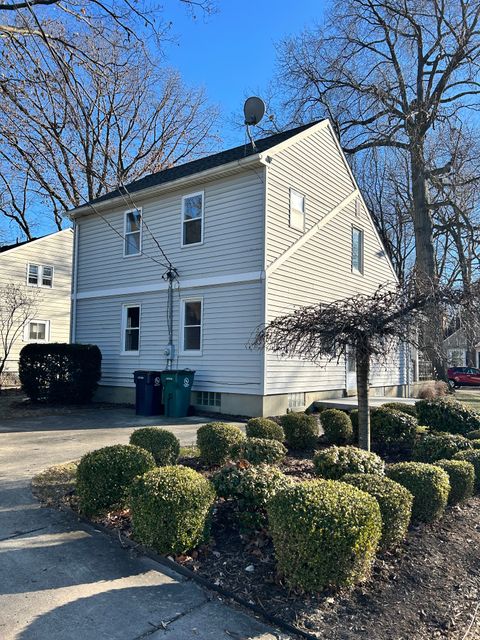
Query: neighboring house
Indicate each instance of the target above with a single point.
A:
(457, 348)
(253, 234)
(44, 265)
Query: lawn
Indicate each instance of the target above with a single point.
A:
(470, 397)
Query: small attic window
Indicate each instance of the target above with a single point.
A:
(297, 210)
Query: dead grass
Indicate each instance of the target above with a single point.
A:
(53, 484)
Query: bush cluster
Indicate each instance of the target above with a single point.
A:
(335, 462)
(428, 484)
(301, 430)
(264, 428)
(475, 444)
(250, 488)
(171, 509)
(472, 456)
(258, 450)
(392, 431)
(395, 503)
(215, 440)
(473, 435)
(435, 446)
(401, 406)
(337, 426)
(325, 533)
(462, 479)
(442, 414)
(162, 444)
(104, 476)
(60, 373)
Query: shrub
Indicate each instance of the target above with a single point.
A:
(60, 373)
(215, 441)
(104, 476)
(473, 435)
(325, 533)
(435, 446)
(171, 508)
(301, 430)
(473, 457)
(337, 426)
(462, 479)
(162, 444)
(264, 428)
(428, 484)
(447, 415)
(409, 409)
(475, 444)
(392, 431)
(395, 505)
(258, 450)
(250, 487)
(335, 462)
(433, 389)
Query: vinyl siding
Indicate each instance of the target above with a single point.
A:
(53, 304)
(320, 270)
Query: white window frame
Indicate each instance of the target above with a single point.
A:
(40, 268)
(125, 308)
(361, 250)
(190, 352)
(202, 218)
(127, 233)
(26, 332)
(292, 223)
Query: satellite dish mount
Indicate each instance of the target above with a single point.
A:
(254, 110)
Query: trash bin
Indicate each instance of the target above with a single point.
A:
(148, 395)
(177, 386)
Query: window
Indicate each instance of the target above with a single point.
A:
(133, 233)
(192, 326)
(357, 250)
(39, 275)
(192, 219)
(131, 330)
(297, 210)
(37, 331)
(209, 399)
(296, 400)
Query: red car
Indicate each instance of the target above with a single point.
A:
(463, 377)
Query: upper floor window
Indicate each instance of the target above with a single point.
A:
(192, 219)
(131, 329)
(133, 233)
(40, 275)
(192, 326)
(37, 331)
(297, 210)
(357, 250)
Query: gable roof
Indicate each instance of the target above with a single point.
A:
(9, 247)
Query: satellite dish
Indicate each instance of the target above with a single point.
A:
(254, 110)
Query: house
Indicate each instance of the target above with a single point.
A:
(252, 233)
(44, 267)
(461, 349)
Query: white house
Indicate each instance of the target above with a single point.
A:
(42, 266)
(253, 233)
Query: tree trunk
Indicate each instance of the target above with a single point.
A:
(363, 371)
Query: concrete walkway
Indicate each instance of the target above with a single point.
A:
(64, 581)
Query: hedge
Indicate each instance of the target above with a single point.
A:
(428, 484)
(264, 428)
(60, 373)
(104, 476)
(215, 440)
(171, 508)
(392, 431)
(436, 446)
(473, 457)
(337, 426)
(447, 415)
(409, 409)
(301, 430)
(325, 534)
(162, 444)
(473, 435)
(258, 450)
(462, 479)
(335, 462)
(395, 503)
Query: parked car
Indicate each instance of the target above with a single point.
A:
(463, 377)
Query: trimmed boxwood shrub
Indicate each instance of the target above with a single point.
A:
(436, 446)
(335, 462)
(462, 479)
(258, 450)
(392, 431)
(472, 456)
(428, 484)
(409, 409)
(264, 428)
(325, 533)
(395, 504)
(337, 426)
(215, 440)
(171, 509)
(475, 444)
(473, 435)
(250, 488)
(60, 373)
(447, 415)
(104, 476)
(301, 430)
(162, 444)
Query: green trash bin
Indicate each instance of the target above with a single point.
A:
(177, 387)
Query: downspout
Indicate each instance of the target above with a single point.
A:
(73, 321)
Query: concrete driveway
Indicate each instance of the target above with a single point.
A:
(62, 580)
